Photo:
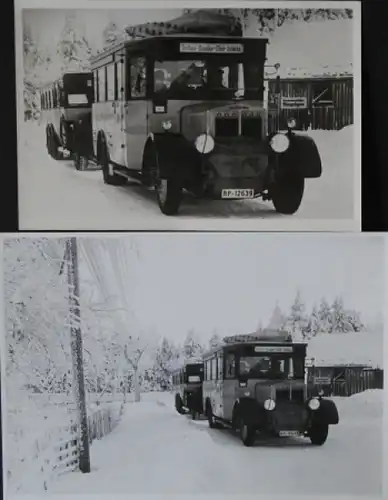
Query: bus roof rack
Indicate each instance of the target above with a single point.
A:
(202, 21)
(266, 335)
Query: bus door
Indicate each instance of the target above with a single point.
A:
(116, 99)
(136, 127)
(218, 408)
(230, 385)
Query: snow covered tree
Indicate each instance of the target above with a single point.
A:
(325, 316)
(354, 318)
(215, 341)
(277, 319)
(339, 318)
(265, 21)
(73, 49)
(165, 361)
(112, 34)
(313, 326)
(297, 320)
(192, 348)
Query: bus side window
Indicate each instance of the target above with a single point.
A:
(220, 367)
(102, 84)
(230, 366)
(138, 71)
(95, 79)
(214, 368)
(110, 82)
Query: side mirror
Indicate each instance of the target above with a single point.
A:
(277, 85)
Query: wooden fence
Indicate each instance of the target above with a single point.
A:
(356, 382)
(333, 115)
(59, 452)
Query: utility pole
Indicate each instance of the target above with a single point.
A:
(71, 257)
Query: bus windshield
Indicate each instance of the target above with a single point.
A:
(274, 367)
(208, 78)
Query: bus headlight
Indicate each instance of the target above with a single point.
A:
(204, 143)
(279, 143)
(167, 124)
(314, 404)
(269, 404)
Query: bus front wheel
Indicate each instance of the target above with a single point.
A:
(169, 195)
(114, 179)
(248, 434)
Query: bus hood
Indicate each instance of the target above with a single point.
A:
(201, 118)
(284, 390)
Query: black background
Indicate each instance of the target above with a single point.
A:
(374, 120)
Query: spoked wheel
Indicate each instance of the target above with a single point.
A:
(287, 192)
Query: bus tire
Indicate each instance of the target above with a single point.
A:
(112, 180)
(287, 192)
(247, 433)
(169, 195)
(318, 434)
(80, 162)
(178, 404)
(210, 416)
(53, 143)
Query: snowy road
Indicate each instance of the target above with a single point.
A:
(54, 196)
(155, 450)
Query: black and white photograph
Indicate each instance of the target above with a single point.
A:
(144, 116)
(145, 364)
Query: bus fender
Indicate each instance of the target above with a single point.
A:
(327, 413)
(301, 156)
(176, 157)
(248, 410)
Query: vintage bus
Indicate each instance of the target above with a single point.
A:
(181, 109)
(258, 384)
(187, 385)
(66, 108)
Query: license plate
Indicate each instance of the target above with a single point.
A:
(237, 193)
(289, 433)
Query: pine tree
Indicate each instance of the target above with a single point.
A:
(215, 341)
(297, 320)
(192, 349)
(354, 319)
(73, 49)
(339, 319)
(324, 315)
(277, 319)
(112, 34)
(265, 21)
(165, 356)
(313, 326)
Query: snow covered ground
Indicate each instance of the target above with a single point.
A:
(34, 423)
(54, 196)
(156, 451)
